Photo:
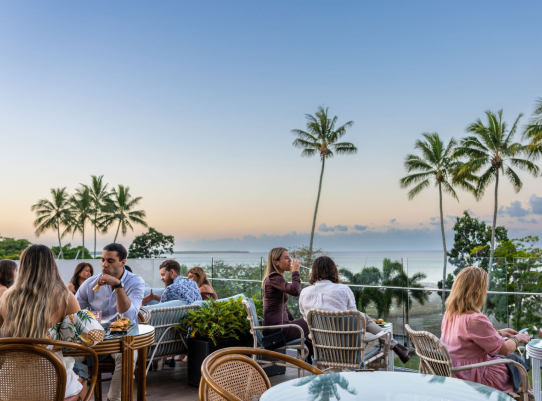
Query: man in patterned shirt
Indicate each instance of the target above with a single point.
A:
(177, 287)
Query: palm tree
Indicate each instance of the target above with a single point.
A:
(533, 131)
(436, 163)
(367, 295)
(81, 211)
(52, 214)
(491, 150)
(100, 199)
(119, 208)
(321, 138)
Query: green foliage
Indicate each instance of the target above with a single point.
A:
(11, 248)
(472, 234)
(533, 132)
(151, 245)
(218, 320)
(71, 253)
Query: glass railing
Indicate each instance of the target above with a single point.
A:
(406, 291)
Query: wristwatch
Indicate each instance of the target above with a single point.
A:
(121, 285)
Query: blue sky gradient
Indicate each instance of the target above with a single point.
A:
(191, 104)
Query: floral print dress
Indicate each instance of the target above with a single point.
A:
(80, 327)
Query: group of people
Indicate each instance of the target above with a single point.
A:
(467, 333)
(35, 302)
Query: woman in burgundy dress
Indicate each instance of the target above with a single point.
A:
(276, 292)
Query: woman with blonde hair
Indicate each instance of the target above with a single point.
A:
(198, 275)
(39, 305)
(276, 291)
(470, 337)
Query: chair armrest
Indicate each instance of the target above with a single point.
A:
(378, 336)
(524, 376)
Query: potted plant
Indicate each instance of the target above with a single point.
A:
(216, 325)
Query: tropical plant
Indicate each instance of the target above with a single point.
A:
(218, 320)
(491, 151)
(437, 164)
(325, 387)
(151, 244)
(533, 131)
(11, 248)
(81, 211)
(52, 214)
(120, 209)
(72, 253)
(100, 198)
(321, 138)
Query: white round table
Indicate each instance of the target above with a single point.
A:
(534, 350)
(385, 386)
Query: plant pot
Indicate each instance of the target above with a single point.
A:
(199, 349)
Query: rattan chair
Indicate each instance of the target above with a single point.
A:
(339, 341)
(435, 360)
(229, 374)
(143, 316)
(257, 333)
(31, 372)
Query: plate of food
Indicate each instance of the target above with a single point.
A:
(380, 322)
(120, 326)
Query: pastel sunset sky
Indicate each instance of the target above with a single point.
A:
(191, 105)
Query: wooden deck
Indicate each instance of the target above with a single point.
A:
(170, 384)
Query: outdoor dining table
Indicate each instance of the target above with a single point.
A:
(138, 338)
(388, 386)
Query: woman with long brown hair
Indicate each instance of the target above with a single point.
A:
(276, 291)
(39, 305)
(83, 271)
(470, 337)
(8, 273)
(198, 275)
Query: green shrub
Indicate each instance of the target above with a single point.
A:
(218, 320)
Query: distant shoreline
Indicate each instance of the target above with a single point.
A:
(203, 252)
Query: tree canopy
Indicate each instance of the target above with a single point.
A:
(151, 244)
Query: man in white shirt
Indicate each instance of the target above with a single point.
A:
(326, 293)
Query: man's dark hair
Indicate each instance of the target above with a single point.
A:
(324, 268)
(171, 265)
(7, 268)
(128, 268)
(121, 251)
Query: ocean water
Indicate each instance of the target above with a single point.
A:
(428, 262)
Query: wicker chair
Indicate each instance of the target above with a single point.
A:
(435, 360)
(143, 316)
(339, 341)
(228, 374)
(31, 372)
(168, 343)
(257, 333)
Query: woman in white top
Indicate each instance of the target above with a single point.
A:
(327, 293)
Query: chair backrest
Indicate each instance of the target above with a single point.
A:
(252, 316)
(228, 374)
(143, 316)
(162, 317)
(337, 337)
(434, 357)
(29, 371)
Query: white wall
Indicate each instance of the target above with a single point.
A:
(148, 269)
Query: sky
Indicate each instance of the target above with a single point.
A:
(191, 105)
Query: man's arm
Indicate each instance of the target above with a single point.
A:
(151, 297)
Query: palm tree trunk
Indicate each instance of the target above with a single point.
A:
(316, 208)
(444, 248)
(118, 228)
(83, 232)
(492, 245)
(95, 229)
(61, 254)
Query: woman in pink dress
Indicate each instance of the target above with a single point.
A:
(469, 336)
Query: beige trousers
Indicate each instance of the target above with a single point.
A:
(114, 393)
(372, 330)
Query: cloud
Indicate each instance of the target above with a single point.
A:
(451, 217)
(421, 224)
(532, 221)
(341, 228)
(360, 228)
(325, 229)
(435, 221)
(536, 204)
(514, 210)
(393, 221)
(432, 218)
